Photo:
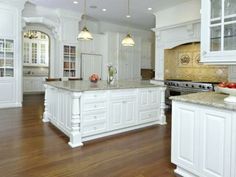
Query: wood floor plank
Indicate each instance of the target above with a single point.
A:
(31, 148)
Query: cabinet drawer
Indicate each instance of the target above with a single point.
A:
(94, 106)
(94, 128)
(116, 94)
(146, 116)
(94, 117)
(95, 95)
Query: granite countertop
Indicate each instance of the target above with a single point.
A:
(206, 98)
(81, 86)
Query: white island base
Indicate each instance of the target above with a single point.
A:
(87, 115)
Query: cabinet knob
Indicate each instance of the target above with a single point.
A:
(95, 128)
(124, 102)
(95, 106)
(95, 117)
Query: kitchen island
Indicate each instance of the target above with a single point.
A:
(85, 111)
(203, 135)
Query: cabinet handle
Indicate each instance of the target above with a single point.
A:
(95, 106)
(95, 117)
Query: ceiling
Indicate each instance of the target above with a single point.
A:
(116, 9)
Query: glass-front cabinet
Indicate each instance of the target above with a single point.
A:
(69, 53)
(218, 43)
(6, 58)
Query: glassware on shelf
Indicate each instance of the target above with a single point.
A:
(216, 9)
(230, 37)
(215, 42)
(230, 8)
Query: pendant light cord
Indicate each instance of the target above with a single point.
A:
(128, 7)
(85, 12)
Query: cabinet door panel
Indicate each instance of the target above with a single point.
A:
(215, 143)
(130, 108)
(185, 135)
(116, 114)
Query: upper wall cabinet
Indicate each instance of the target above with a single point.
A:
(218, 43)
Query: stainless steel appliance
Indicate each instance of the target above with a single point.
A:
(183, 87)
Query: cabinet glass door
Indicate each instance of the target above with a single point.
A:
(6, 58)
(229, 25)
(69, 61)
(34, 53)
(223, 25)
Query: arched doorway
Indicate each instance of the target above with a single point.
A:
(36, 60)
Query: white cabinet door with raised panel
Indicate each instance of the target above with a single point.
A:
(116, 113)
(215, 143)
(148, 98)
(123, 112)
(185, 136)
(130, 112)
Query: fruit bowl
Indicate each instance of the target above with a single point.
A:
(232, 94)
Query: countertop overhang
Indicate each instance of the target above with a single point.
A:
(82, 86)
(212, 99)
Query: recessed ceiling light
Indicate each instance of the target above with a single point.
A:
(104, 10)
(75, 2)
(149, 8)
(128, 16)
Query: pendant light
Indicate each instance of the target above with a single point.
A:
(85, 34)
(128, 40)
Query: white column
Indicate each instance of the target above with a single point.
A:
(45, 114)
(75, 134)
(162, 107)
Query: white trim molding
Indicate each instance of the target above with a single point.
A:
(170, 37)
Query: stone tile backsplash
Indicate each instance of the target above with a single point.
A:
(182, 62)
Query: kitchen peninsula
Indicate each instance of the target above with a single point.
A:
(84, 110)
(203, 135)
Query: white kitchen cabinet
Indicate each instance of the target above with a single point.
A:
(70, 61)
(218, 33)
(10, 53)
(185, 136)
(36, 51)
(123, 112)
(33, 84)
(202, 140)
(84, 115)
(215, 143)
(147, 55)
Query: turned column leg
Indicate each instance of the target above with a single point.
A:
(75, 134)
(45, 114)
(162, 107)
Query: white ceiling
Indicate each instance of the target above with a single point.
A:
(116, 9)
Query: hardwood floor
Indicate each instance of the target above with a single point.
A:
(30, 148)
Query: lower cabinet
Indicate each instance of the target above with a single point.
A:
(109, 111)
(202, 140)
(33, 84)
(123, 112)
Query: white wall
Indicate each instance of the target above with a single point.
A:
(102, 27)
(185, 12)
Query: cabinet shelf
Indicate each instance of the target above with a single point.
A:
(69, 61)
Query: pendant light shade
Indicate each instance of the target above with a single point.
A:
(128, 41)
(84, 34)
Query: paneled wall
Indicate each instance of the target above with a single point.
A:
(182, 63)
